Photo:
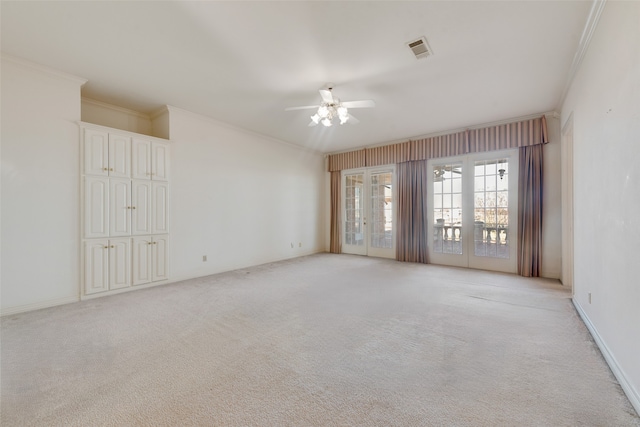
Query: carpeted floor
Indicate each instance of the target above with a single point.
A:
(324, 340)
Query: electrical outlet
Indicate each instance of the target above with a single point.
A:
(204, 258)
(589, 297)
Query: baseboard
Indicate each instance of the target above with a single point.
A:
(199, 274)
(627, 387)
(37, 305)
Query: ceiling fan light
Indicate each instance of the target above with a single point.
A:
(342, 111)
(323, 111)
(315, 118)
(326, 122)
(344, 119)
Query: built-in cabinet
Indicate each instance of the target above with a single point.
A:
(125, 209)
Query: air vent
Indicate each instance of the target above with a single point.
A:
(420, 48)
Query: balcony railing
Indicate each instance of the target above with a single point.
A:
(489, 240)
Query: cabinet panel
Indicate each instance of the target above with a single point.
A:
(160, 253)
(96, 207)
(140, 207)
(140, 159)
(142, 258)
(159, 161)
(96, 270)
(160, 208)
(119, 156)
(119, 207)
(119, 263)
(95, 152)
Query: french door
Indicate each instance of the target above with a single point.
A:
(368, 212)
(473, 211)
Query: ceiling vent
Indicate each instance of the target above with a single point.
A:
(420, 48)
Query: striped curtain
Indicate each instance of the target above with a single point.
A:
(411, 237)
(454, 144)
(507, 136)
(530, 188)
(500, 137)
(388, 154)
(335, 238)
(349, 160)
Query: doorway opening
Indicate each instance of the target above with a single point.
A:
(368, 212)
(473, 211)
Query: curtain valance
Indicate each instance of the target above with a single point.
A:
(500, 137)
(349, 160)
(388, 154)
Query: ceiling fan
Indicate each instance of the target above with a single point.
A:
(331, 108)
(439, 171)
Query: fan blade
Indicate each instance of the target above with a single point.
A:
(352, 120)
(312, 124)
(306, 107)
(367, 103)
(326, 96)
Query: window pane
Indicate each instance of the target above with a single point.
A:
(491, 213)
(447, 208)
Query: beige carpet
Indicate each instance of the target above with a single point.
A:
(325, 340)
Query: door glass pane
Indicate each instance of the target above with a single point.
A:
(491, 209)
(447, 211)
(353, 214)
(381, 210)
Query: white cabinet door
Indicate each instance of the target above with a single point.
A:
(119, 207)
(142, 258)
(160, 254)
(95, 152)
(96, 266)
(140, 207)
(150, 259)
(119, 263)
(119, 156)
(140, 159)
(159, 208)
(96, 207)
(159, 161)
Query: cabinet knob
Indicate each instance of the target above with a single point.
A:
(111, 169)
(105, 169)
(133, 207)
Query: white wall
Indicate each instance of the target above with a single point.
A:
(605, 101)
(40, 187)
(240, 198)
(551, 203)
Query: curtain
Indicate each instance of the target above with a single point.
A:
(388, 154)
(530, 187)
(411, 238)
(335, 243)
(348, 160)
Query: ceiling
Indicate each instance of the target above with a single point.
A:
(243, 62)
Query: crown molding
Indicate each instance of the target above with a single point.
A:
(159, 112)
(42, 69)
(585, 39)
